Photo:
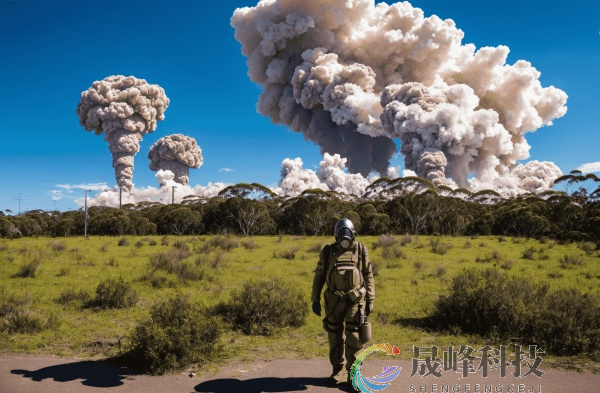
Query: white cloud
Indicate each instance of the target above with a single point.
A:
(89, 186)
(226, 170)
(590, 167)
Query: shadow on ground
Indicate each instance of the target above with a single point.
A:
(99, 374)
(267, 385)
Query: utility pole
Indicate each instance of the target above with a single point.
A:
(85, 217)
(173, 196)
(19, 199)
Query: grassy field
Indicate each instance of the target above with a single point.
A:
(410, 274)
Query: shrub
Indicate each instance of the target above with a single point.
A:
(375, 269)
(225, 243)
(393, 252)
(439, 248)
(249, 244)
(261, 307)
(158, 280)
(164, 241)
(491, 303)
(180, 244)
(57, 245)
(71, 296)
(177, 335)
(113, 293)
(123, 242)
(15, 318)
(104, 247)
(406, 239)
(385, 241)
(172, 262)
(507, 264)
(28, 269)
(467, 244)
(315, 248)
(213, 260)
(439, 271)
(570, 261)
(528, 253)
(288, 254)
(588, 247)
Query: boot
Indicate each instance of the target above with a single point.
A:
(339, 375)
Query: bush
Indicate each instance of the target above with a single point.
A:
(28, 269)
(384, 241)
(439, 248)
(261, 307)
(393, 252)
(57, 245)
(315, 248)
(15, 318)
(177, 335)
(406, 239)
(71, 296)
(588, 247)
(491, 303)
(213, 260)
(528, 253)
(249, 244)
(569, 261)
(288, 254)
(113, 293)
(225, 243)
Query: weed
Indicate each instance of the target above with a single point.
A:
(528, 253)
(501, 239)
(123, 242)
(139, 244)
(164, 241)
(249, 244)
(315, 248)
(384, 241)
(104, 247)
(261, 307)
(113, 293)
(570, 261)
(467, 245)
(418, 265)
(181, 245)
(392, 252)
(28, 269)
(289, 253)
(406, 239)
(439, 272)
(152, 242)
(555, 275)
(177, 334)
(213, 260)
(64, 271)
(507, 264)
(496, 255)
(57, 245)
(112, 262)
(588, 247)
(71, 296)
(439, 248)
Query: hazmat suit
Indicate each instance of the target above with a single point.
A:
(346, 269)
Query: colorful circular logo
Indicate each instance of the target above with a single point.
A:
(378, 382)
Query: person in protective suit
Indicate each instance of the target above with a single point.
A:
(345, 267)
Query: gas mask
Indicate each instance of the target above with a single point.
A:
(344, 238)
(344, 233)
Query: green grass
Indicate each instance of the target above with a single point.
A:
(409, 280)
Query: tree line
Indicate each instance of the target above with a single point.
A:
(401, 206)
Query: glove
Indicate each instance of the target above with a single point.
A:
(369, 308)
(316, 308)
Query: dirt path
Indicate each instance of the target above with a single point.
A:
(25, 373)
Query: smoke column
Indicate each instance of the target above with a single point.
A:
(176, 153)
(124, 109)
(352, 76)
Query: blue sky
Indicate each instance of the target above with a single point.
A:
(51, 51)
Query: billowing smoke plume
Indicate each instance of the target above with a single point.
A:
(352, 76)
(124, 108)
(176, 153)
(151, 194)
(330, 176)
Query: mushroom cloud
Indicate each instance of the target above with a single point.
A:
(124, 109)
(176, 153)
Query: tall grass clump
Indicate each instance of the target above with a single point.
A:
(438, 247)
(261, 307)
(491, 303)
(113, 293)
(569, 261)
(289, 253)
(225, 243)
(386, 240)
(73, 297)
(29, 269)
(57, 245)
(393, 252)
(17, 318)
(588, 247)
(177, 334)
